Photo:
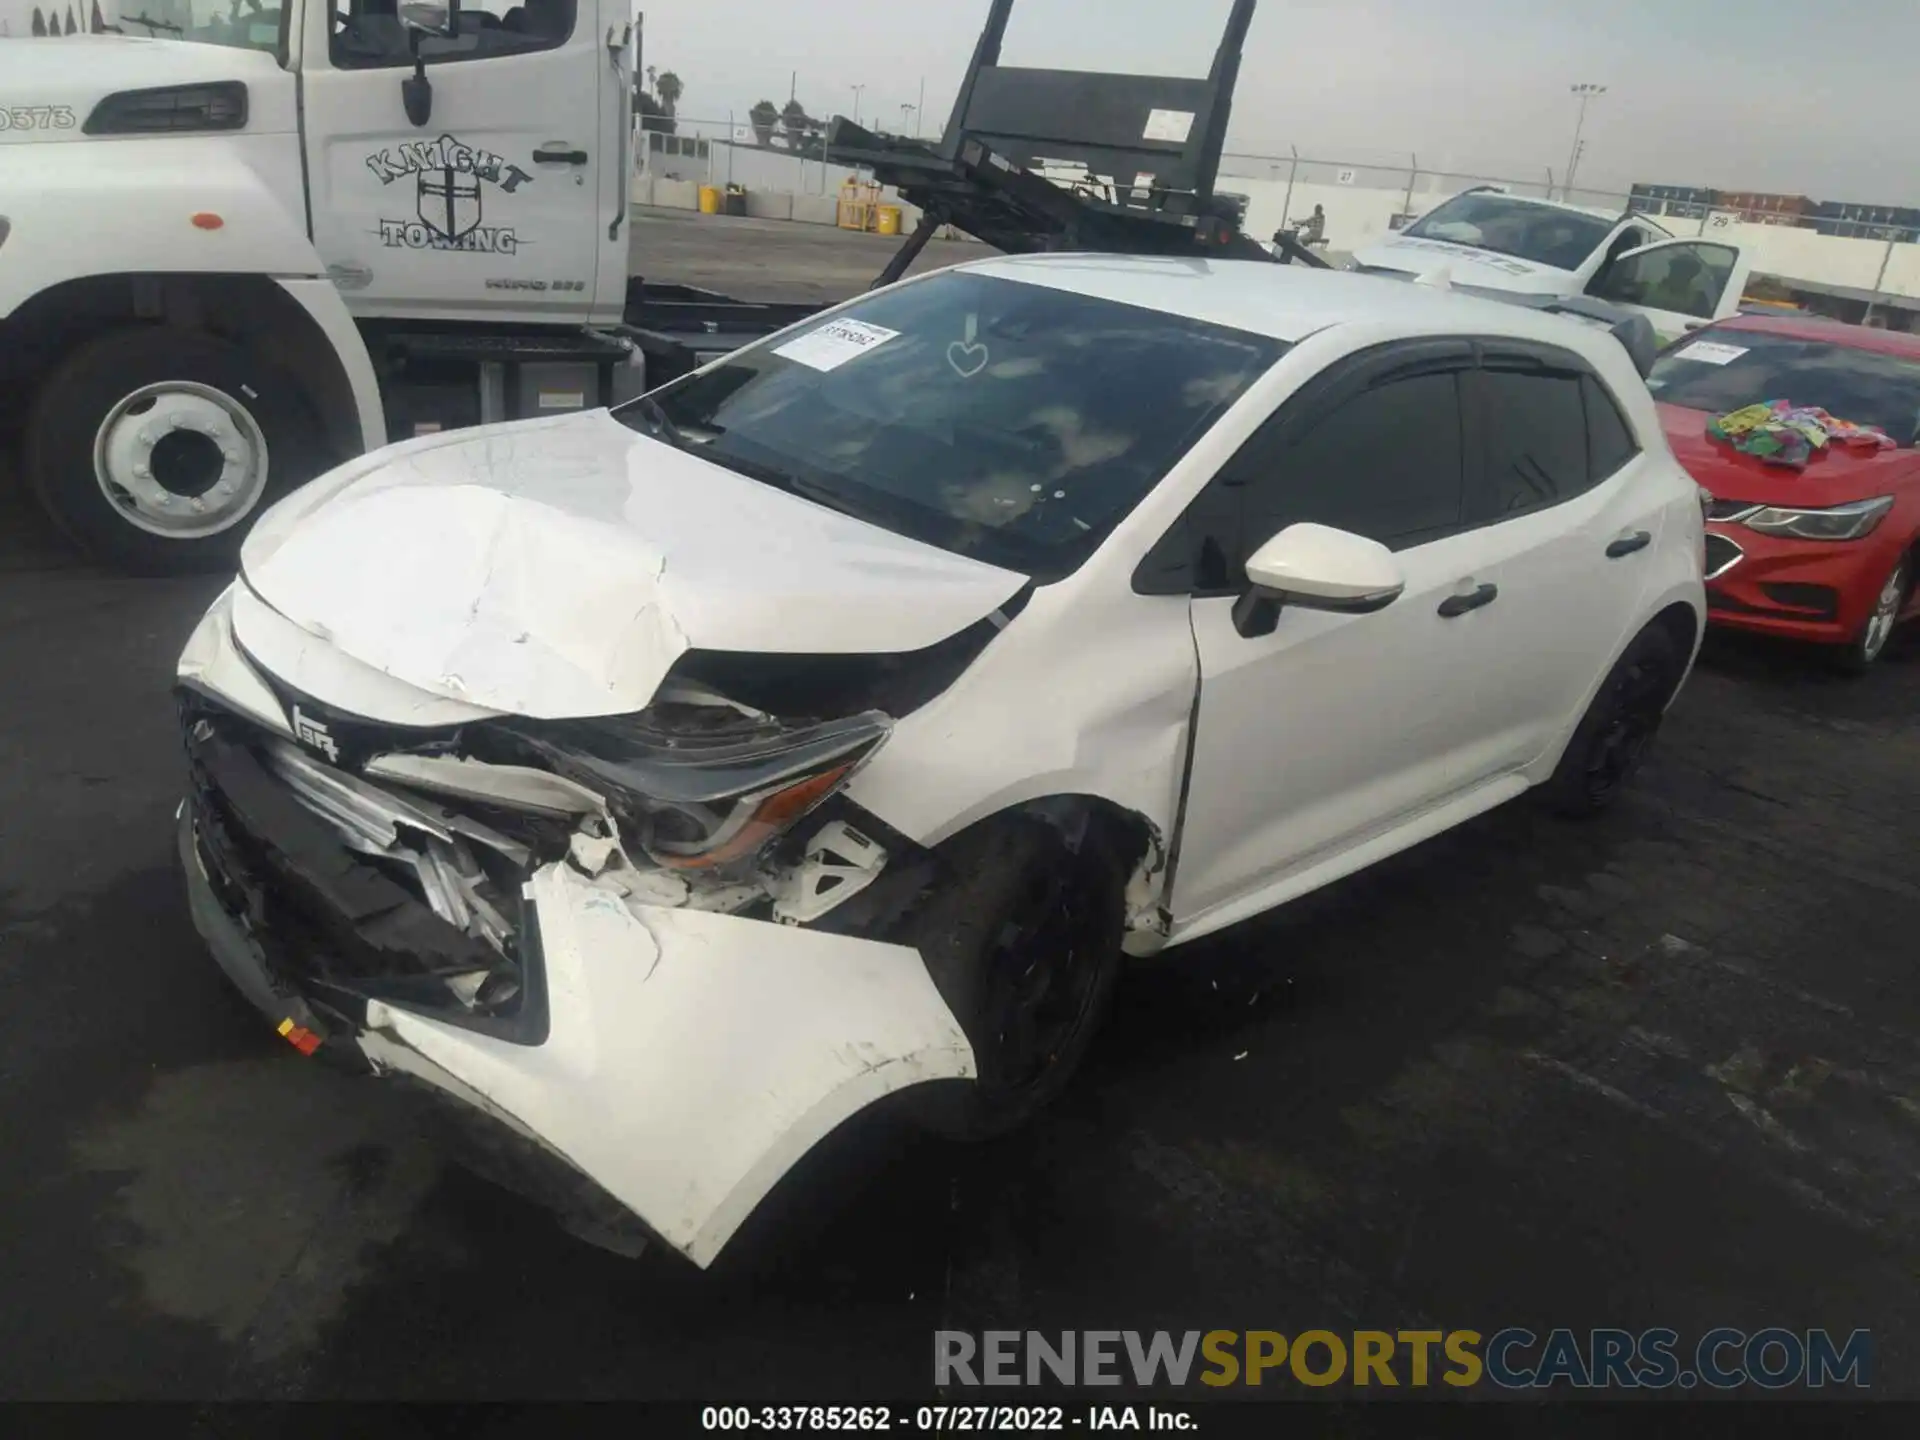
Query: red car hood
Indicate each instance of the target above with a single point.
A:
(1838, 476)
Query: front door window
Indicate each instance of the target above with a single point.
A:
(1681, 279)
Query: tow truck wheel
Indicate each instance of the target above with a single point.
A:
(155, 448)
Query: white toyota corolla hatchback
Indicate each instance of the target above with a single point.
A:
(670, 784)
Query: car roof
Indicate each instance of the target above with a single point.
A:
(1831, 332)
(1285, 302)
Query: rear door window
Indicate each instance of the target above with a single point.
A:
(1536, 429)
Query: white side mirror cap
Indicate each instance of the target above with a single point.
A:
(1327, 569)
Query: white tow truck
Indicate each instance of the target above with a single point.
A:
(240, 244)
(1487, 239)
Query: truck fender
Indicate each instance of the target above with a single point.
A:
(156, 206)
(206, 211)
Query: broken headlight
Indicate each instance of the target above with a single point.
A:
(699, 786)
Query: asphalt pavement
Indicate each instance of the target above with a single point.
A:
(1661, 1069)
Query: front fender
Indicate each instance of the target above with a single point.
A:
(150, 205)
(1079, 695)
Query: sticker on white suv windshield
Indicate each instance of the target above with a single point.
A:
(1710, 352)
(835, 343)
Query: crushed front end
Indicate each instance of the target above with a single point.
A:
(635, 946)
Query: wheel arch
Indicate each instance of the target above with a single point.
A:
(1682, 622)
(255, 311)
(1682, 618)
(1130, 837)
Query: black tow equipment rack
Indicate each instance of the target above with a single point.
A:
(1144, 151)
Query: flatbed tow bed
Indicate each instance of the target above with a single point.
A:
(1150, 145)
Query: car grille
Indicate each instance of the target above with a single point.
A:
(1728, 509)
(338, 923)
(1722, 555)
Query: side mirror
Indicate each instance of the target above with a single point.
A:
(1320, 568)
(423, 19)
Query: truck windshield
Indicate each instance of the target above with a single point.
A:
(1544, 234)
(1723, 369)
(1012, 422)
(243, 24)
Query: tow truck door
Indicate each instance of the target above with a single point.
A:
(493, 209)
(1679, 285)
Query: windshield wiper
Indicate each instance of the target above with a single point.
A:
(660, 424)
(807, 489)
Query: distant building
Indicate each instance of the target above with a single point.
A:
(1866, 222)
(1758, 208)
(1681, 202)
(1828, 217)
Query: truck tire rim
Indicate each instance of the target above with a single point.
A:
(180, 460)
(1880, 623)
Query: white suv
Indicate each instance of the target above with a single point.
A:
(1487, 238)
(670, 784)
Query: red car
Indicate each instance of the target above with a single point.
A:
(1829, 553)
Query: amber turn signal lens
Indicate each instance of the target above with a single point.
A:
(773, 815)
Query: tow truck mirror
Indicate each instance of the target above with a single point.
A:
(424, 19)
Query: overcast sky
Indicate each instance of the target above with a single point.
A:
(1761, 95)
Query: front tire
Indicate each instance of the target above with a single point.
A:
(1860, 653)
(1023, 943)
(154, 448)
(1619, 727)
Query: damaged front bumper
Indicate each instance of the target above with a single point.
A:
(681, 1059)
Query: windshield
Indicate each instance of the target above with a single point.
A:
(1011, 422)
(243, 24)
(1543, 234)
(1718, 370)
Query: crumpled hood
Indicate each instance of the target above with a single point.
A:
(558, 567)
(1466, 266)
(77, 72)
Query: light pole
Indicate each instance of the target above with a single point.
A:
(907, 113)
(1586, 93)
(856, 102)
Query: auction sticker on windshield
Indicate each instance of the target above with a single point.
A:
(1711, 352)
(835, 343)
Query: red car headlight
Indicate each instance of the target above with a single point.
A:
(1838, 522)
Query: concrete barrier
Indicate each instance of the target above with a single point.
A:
(816, 209)
(676, 194)
(769, 205)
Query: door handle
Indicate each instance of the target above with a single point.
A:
(1460, 604)
(559, 155)
(1627, 544)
